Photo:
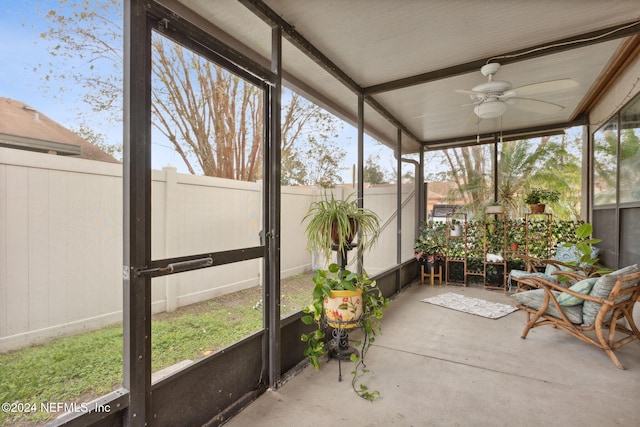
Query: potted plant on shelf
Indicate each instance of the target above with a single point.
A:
(429, 247)
(333, 221)
(515, 234)
(494, 208)
(536, 196)
(456, 228)
(344, 300)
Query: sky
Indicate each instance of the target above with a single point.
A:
(23, 50)
(25, 60)
(24, 57)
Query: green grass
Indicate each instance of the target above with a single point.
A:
(62, 370)
(195, 335)
(85, 366)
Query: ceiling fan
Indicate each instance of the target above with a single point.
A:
(491, 99)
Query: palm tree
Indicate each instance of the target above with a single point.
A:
(546, 162)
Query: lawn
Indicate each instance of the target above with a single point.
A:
(85, 366)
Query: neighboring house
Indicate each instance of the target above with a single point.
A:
(25, 128)
(441, 194)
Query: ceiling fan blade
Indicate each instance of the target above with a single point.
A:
(468, 92)
(542, 87)
(535, 106)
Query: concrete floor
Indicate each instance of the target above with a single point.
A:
(439, 367)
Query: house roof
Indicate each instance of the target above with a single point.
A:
(21, 126)
(440, 190)
(407, 57)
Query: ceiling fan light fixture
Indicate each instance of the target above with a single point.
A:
(490, 110)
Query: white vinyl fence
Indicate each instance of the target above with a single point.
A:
(61, 240)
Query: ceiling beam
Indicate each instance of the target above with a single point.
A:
(569, 43)
(269, 16)
(507, 135)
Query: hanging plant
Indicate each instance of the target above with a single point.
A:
(332, 221)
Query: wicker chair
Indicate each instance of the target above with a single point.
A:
(589, 307)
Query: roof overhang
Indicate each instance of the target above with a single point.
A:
(39, 145)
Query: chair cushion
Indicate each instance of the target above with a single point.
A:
(535, 299)
(549, 269)
(516, 274)
(583, 287)
(602, 288)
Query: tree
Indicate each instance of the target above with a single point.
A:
(85, 40)
(408, 177)
(317, 163)
(517, 164)
(551, 162)
(560, 169)
(629, 165)
(99, 141)
(212, 118)
(605, 146)
(469, 170)
(315, 159)
(373, 173)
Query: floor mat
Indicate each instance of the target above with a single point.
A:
(477, 306)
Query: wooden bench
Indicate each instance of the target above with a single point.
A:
(597, 316)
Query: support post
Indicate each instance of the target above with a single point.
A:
(422, 203)
(274, 171)
(495, 168)
(399, 209)
(360, 168)
(137, 214)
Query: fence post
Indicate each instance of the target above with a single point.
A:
(170, 233)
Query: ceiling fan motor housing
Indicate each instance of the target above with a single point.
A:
(490, 89)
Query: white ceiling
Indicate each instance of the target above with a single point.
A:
(379, 41)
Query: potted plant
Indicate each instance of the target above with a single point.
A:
(536, 196)
(333, 221)
(344, 300)
(494, 208)
(456, 228)
(588, 254)
(429, 247)
(515, 234)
